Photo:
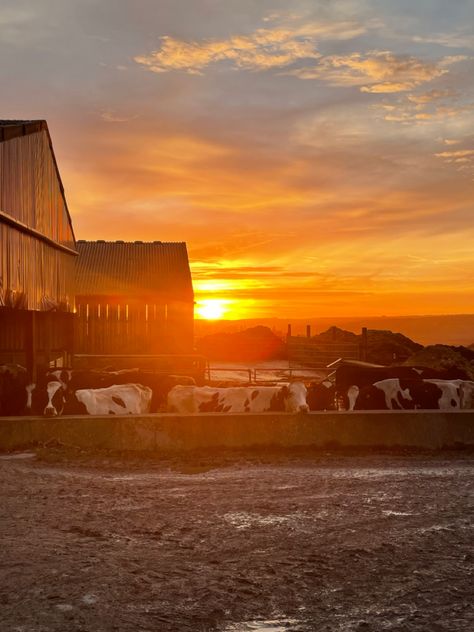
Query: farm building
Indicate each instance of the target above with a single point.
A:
(37, 249)
(133, 298)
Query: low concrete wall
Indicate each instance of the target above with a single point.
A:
(421, 429)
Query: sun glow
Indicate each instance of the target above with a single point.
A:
(211, 308)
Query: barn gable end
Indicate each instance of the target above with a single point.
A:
(133, 298)
(37, 248)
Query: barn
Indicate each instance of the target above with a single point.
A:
(133, 299)
(37, 249)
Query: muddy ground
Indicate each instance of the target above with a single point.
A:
(236, 542)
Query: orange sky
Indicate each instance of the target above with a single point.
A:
(317, 161)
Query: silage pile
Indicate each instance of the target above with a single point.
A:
(444, 357)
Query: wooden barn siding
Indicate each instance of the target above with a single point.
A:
(30, 190)
(33, 274)
(53, 332)
(120, 327)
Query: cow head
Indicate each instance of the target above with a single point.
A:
(294, 397)
(56, 399)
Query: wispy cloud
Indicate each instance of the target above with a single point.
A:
(375, 71)
(431, 96)
(460, 159)
(110, 116)
(263, 49)
(459, 39)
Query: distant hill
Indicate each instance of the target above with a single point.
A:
(383, 347)
(256, 343)
(456, 329)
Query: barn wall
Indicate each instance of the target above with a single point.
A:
(120, 326)
(414, 429)
(53, 336)
(30, 189)
(33, 274)
(36, 272)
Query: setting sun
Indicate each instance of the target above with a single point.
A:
(210, 308)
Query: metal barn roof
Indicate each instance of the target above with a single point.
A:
(133, 269)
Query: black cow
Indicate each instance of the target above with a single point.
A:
(13, 381)
(321, 395)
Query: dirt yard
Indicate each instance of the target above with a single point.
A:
(236, 542)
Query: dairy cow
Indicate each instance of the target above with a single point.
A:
(321, 395)
(467, 394)
(160, 384)
(13, 381)
(350, 379)
(119, 399)
(403, 394)
(240, 399)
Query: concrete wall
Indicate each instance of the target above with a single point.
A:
(421, 429)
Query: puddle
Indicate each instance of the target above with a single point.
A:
(270, 625)
(389, 512)
(17, 456)
(243, 520)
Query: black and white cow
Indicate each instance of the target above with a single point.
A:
(403, 394)
(73, 380)
(289, 398)
(467, 394)
(351, 379)
(119, 399)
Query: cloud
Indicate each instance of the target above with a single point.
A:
(375, 71)
(10, 16)
(109, 116)
(461, 153)
(450, 40)
(432, 95)
(461, 159)
(408, 113)
(263, 49)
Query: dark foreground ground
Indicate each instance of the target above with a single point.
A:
(235, 542)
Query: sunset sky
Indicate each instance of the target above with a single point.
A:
(317, 157)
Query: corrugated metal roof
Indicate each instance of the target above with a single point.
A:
(133, 269)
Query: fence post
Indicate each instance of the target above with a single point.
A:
(363, 344)
(308, 331)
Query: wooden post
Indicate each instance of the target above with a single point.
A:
(363, 344)
(288, 333)
(48, 335)
(71, 320)
(308, 331)
(30, 345)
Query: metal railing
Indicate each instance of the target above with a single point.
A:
(282, 374)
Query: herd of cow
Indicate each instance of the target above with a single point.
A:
(133, 391)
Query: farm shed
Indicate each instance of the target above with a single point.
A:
(133, 298)
(37, 249)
